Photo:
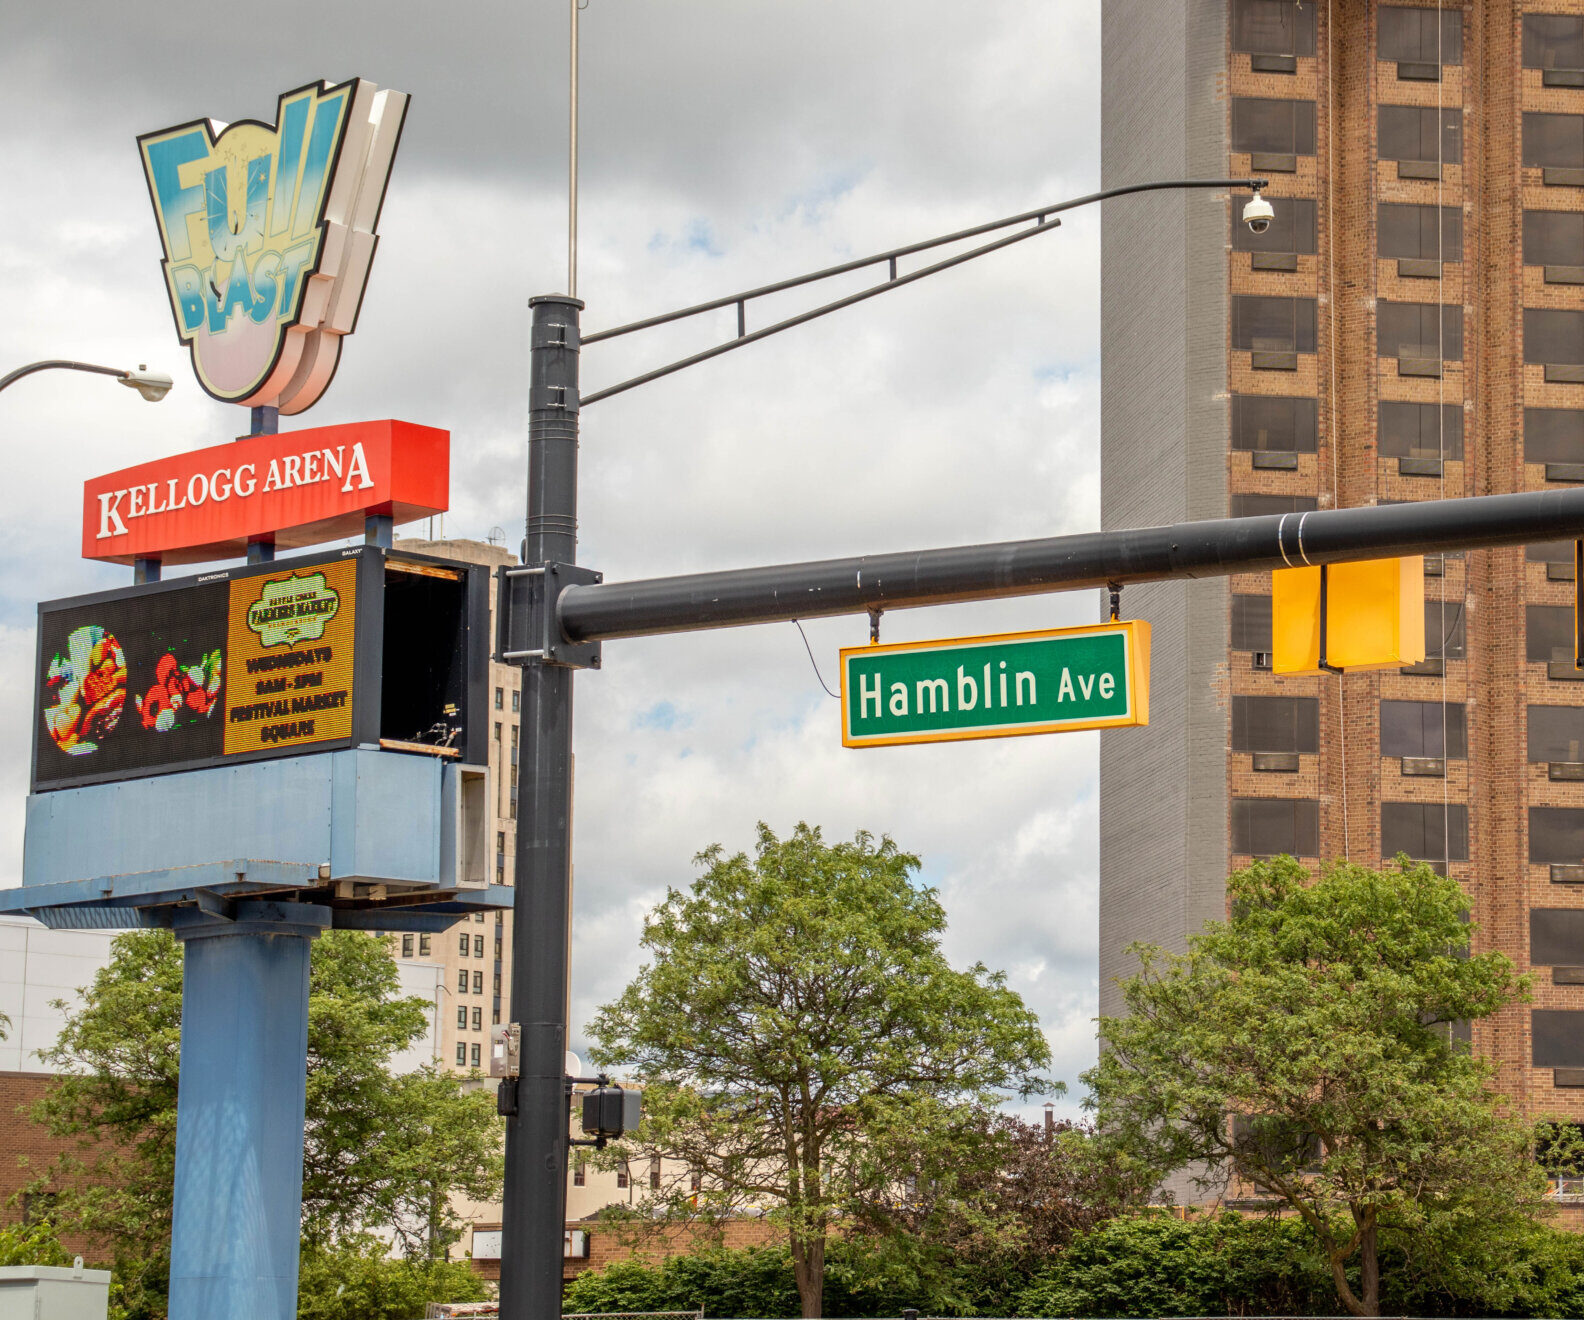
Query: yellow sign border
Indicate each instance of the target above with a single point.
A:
(1138, 644)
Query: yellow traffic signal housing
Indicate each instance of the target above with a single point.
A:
(1345, 617)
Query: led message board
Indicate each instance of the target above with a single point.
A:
(270, 660)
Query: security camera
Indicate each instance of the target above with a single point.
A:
(1258, 214)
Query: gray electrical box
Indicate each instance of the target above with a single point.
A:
(505, 1049)
(49, 1292)
(612, 1110)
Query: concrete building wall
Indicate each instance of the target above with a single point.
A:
(37, 968)
(1163, 331)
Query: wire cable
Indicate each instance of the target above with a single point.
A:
(813, 661)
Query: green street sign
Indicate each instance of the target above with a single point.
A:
(996, 687)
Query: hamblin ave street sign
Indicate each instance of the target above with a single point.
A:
(996, 687)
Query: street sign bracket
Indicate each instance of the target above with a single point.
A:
(528, 626)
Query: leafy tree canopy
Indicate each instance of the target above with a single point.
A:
(797, 1016)
(1302, 1049)
(381, 1150)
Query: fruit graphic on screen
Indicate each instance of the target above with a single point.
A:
(180, 694)
(88, 684)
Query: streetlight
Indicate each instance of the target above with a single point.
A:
(152, 385)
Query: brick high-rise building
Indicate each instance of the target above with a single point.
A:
(1411, 327)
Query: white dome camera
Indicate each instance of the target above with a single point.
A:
(1258, 214)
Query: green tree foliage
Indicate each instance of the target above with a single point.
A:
(990, 1207)
(31, 1244)
(1302, 1050)
(380, 1150)
(357, 1279)
(797, 1016)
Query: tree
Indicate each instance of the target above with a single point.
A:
(797, 1017)
(380, 1150)
(992, 1206)
(1302, 1049)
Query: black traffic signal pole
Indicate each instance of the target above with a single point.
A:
(572, 611)
(1213, 548)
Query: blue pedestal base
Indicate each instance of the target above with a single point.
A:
(239, 1124)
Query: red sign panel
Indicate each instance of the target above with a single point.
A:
(299, 489)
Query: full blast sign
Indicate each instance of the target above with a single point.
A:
(996, 687)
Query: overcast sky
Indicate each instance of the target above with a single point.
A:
(726, 143)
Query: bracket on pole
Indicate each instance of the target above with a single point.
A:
(528, 627)
(1325, 658)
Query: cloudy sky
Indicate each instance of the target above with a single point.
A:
(726, 143)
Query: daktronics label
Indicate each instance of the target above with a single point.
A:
(292, 646)
(179, 675)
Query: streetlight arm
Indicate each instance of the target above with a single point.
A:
(1041, 220)
(61, 363)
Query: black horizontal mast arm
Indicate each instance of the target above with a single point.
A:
(1041, 220)
(1216, 547)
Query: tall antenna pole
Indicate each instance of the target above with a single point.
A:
(572, 162)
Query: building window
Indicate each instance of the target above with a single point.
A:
(497, 727)
(1445, 630)
(478, 943)
(1292, 229)
(478, 1019)
(695, 1180)
(1275, 724)
(1419, 430)
(1412, 330)
(1259, 506)
(1553, 435)
(1424, 728)
(1273, 325)
(423, 946)
(497, 983)
(1552, 335)
(461, 1054)
(478, 983)
(407, 946)
(1267, 423)
(512, 810)
(1412, 232)
(516, 700)
(1281, 128)
(1549, 552)
(654, 1173)
(1556, 836)
(1556, 937)
(1408, 132)
(580, 1173)
(1556, 733)
(462, 1018)
(1421, 36)
(1553, 141)
(474, 1052)
(622, 1178)
(1549, 633)
(462, 982)
(1273, 27)
(1426, 831)
(478, 919)
(1558, 1035)
(1251, 622)
(1553, 238)
(462, 943)
(1553, 41)
(514, 744)
(1266, 827)
(514, 776)
(495, 1014)
(500, 697)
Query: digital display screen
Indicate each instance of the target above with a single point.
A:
(160, 680)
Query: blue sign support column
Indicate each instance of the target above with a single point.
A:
(239, 1123)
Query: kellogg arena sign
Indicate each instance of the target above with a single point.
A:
(269, 232)
(296, 489)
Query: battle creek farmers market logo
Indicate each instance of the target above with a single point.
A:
(269, 232)
(294, 610)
